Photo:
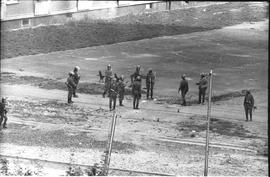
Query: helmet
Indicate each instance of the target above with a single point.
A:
(76, 68)
(203, 74)
(138, 78)
(122, 77)
(71, 73)
(183, 76)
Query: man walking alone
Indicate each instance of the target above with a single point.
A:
(248, 105)
(136, 92)
(150, 82)
(70, 85)
(184, 89)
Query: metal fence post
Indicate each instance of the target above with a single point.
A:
(208, 122)
(110, 142)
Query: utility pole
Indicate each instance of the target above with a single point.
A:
(208, 122)
(109, 147)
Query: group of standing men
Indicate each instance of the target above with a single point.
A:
(115, 86)
(202, 84)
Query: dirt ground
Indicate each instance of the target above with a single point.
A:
(161, 137)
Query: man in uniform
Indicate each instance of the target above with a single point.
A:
(70, 85)
(184, 89)
(113, 92)
(108, 77)
(121, 90)
(202, 88)
(135, 74)
(136, 92)
(150, 82)
(3, 112)
(248, 105)
(76, 78)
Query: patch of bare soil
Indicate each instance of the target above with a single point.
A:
(59, 139)
(98, 88)
(193, 101)
(46, 83)
(217, 126)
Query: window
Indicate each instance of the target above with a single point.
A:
(149, 6)
(25, 22)
(12, 1)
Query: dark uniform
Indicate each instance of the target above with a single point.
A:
(248, 105)
(76, 78)
(121, 90)
(108, 78)
(113, 92)
(202, 88)
(3, 112)
(150, 82)
(184, 89)
(136, 74)
(136, 92)
(71, 86)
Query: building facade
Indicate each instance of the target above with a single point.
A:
(16, 14)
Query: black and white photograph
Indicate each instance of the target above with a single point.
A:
(134, 88)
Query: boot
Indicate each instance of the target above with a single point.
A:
(137, 105)
(120, 103)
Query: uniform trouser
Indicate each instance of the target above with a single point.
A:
(121, 98)
(136, 99)
(149, 89)
(106, 89)
(202, 95)
(74, 91)
(183, 98)
(70, 93)
(112, 100)
(3, 117)
(248, 110)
